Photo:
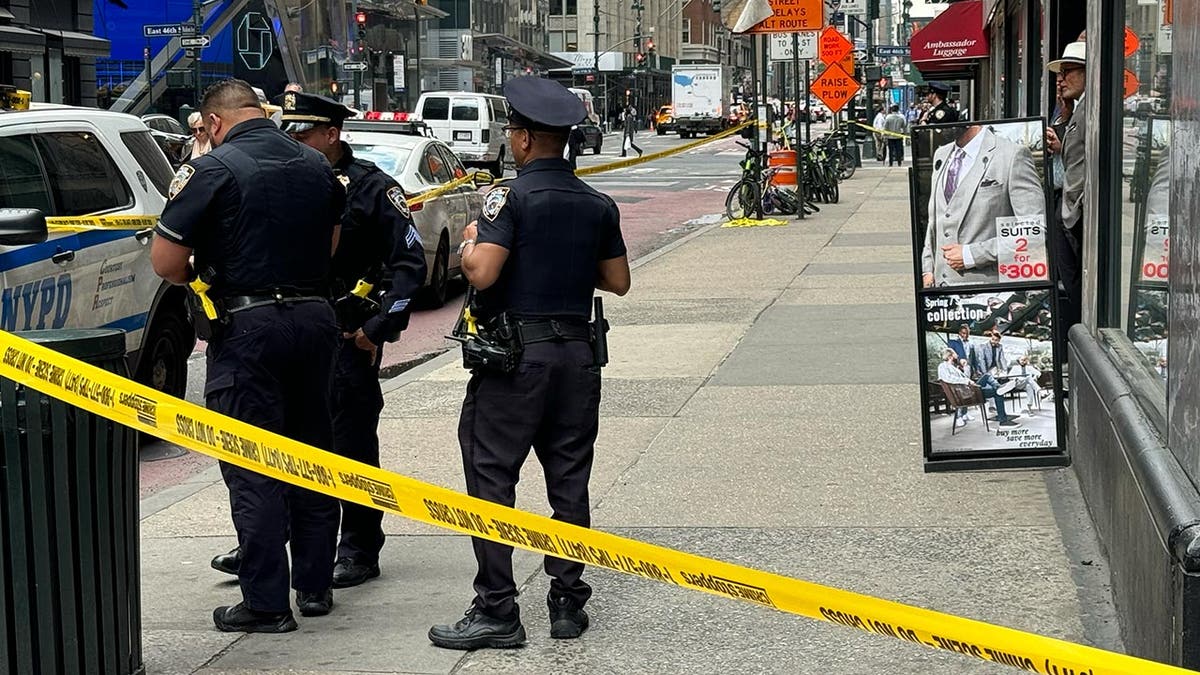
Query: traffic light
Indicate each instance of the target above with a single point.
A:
(360, 18)
(640, 58)
(650, 46)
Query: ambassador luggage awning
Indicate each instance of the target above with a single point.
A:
(953, 43)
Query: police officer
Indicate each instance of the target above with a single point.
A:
(543, 243)
(941, 112)
(260, 213)
(379, 244)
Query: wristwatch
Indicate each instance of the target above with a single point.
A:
(463, 246)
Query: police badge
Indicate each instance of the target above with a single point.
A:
(289, 101)
(180, 180)
(344, 180)
(494, 202)
(396, 197)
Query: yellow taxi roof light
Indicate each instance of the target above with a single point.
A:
(12, 98)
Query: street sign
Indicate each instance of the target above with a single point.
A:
(833, 45)
(790, 16)
(167, 29)
(200, 41)
(354, 66)
(892, 50)
(853, 6)
(781, 46)
(835, 87)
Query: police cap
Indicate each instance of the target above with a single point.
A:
(941, 88)
(538, 103)
(302, 112)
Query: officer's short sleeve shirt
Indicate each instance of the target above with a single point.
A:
(197, 193)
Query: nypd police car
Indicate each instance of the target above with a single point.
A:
(100, 180)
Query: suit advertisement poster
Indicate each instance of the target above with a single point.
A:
(983, 270)
(1150, 257)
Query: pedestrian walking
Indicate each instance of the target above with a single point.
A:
(627, 143)
(575, 146)
(379, 245)
(544, 242)
(897, 127)
(260, 214)
(877, 124)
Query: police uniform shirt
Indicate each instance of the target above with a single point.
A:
(378, 228)
(257, 191)
(557, 229)
(943, 114)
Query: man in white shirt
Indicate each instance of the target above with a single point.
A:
(950, 373)
(880, 148)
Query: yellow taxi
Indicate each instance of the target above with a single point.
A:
(664, 119)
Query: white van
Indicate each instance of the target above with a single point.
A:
(472, 124)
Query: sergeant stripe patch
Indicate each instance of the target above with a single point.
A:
(412, 236)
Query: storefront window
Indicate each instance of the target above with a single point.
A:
(1146, 181)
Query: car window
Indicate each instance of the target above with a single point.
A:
(453, 165)
(150, 157)
(172, 125)
(436, 108)
(499, 110)
(433, 169)
(389, 158)
(22, 184)
(465, 110)
(82, 176)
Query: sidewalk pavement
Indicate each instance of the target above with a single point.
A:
(761, 407)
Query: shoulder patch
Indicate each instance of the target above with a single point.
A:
(180, 180)
(494, 202)
(396, 196)
(939, 114)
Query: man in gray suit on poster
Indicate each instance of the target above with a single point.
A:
(978, 178)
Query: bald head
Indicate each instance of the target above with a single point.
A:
(226, 104)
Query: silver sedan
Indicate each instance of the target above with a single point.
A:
(419, 164)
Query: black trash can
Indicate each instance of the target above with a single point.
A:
(70, 567)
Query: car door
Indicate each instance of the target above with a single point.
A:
(85, 179)
(37, 279)
(435, 111)
(464, 202)
(435, 215)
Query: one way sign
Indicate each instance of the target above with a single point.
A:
(195, 42)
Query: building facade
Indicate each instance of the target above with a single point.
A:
(1133, 396)
(704, 39)
(47, 48)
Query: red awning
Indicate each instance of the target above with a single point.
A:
(953, 41)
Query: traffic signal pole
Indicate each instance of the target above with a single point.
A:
(358, 73)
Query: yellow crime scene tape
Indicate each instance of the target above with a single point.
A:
(142, 222)
(191, 426)
(750, 222)
(882, 132)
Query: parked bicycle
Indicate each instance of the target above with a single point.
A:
(755, 188)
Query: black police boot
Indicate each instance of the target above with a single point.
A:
(315, 604)
(229, 563)
(241, 619)
(477, 630)
(567, 619)
(348, 573)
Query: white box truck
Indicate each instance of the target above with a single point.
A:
(700, 94)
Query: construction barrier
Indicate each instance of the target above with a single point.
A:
(191, 426)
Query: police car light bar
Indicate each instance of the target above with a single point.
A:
(378, 116)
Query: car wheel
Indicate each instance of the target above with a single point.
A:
(439, 279)
(661, 131)
(163, 362)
